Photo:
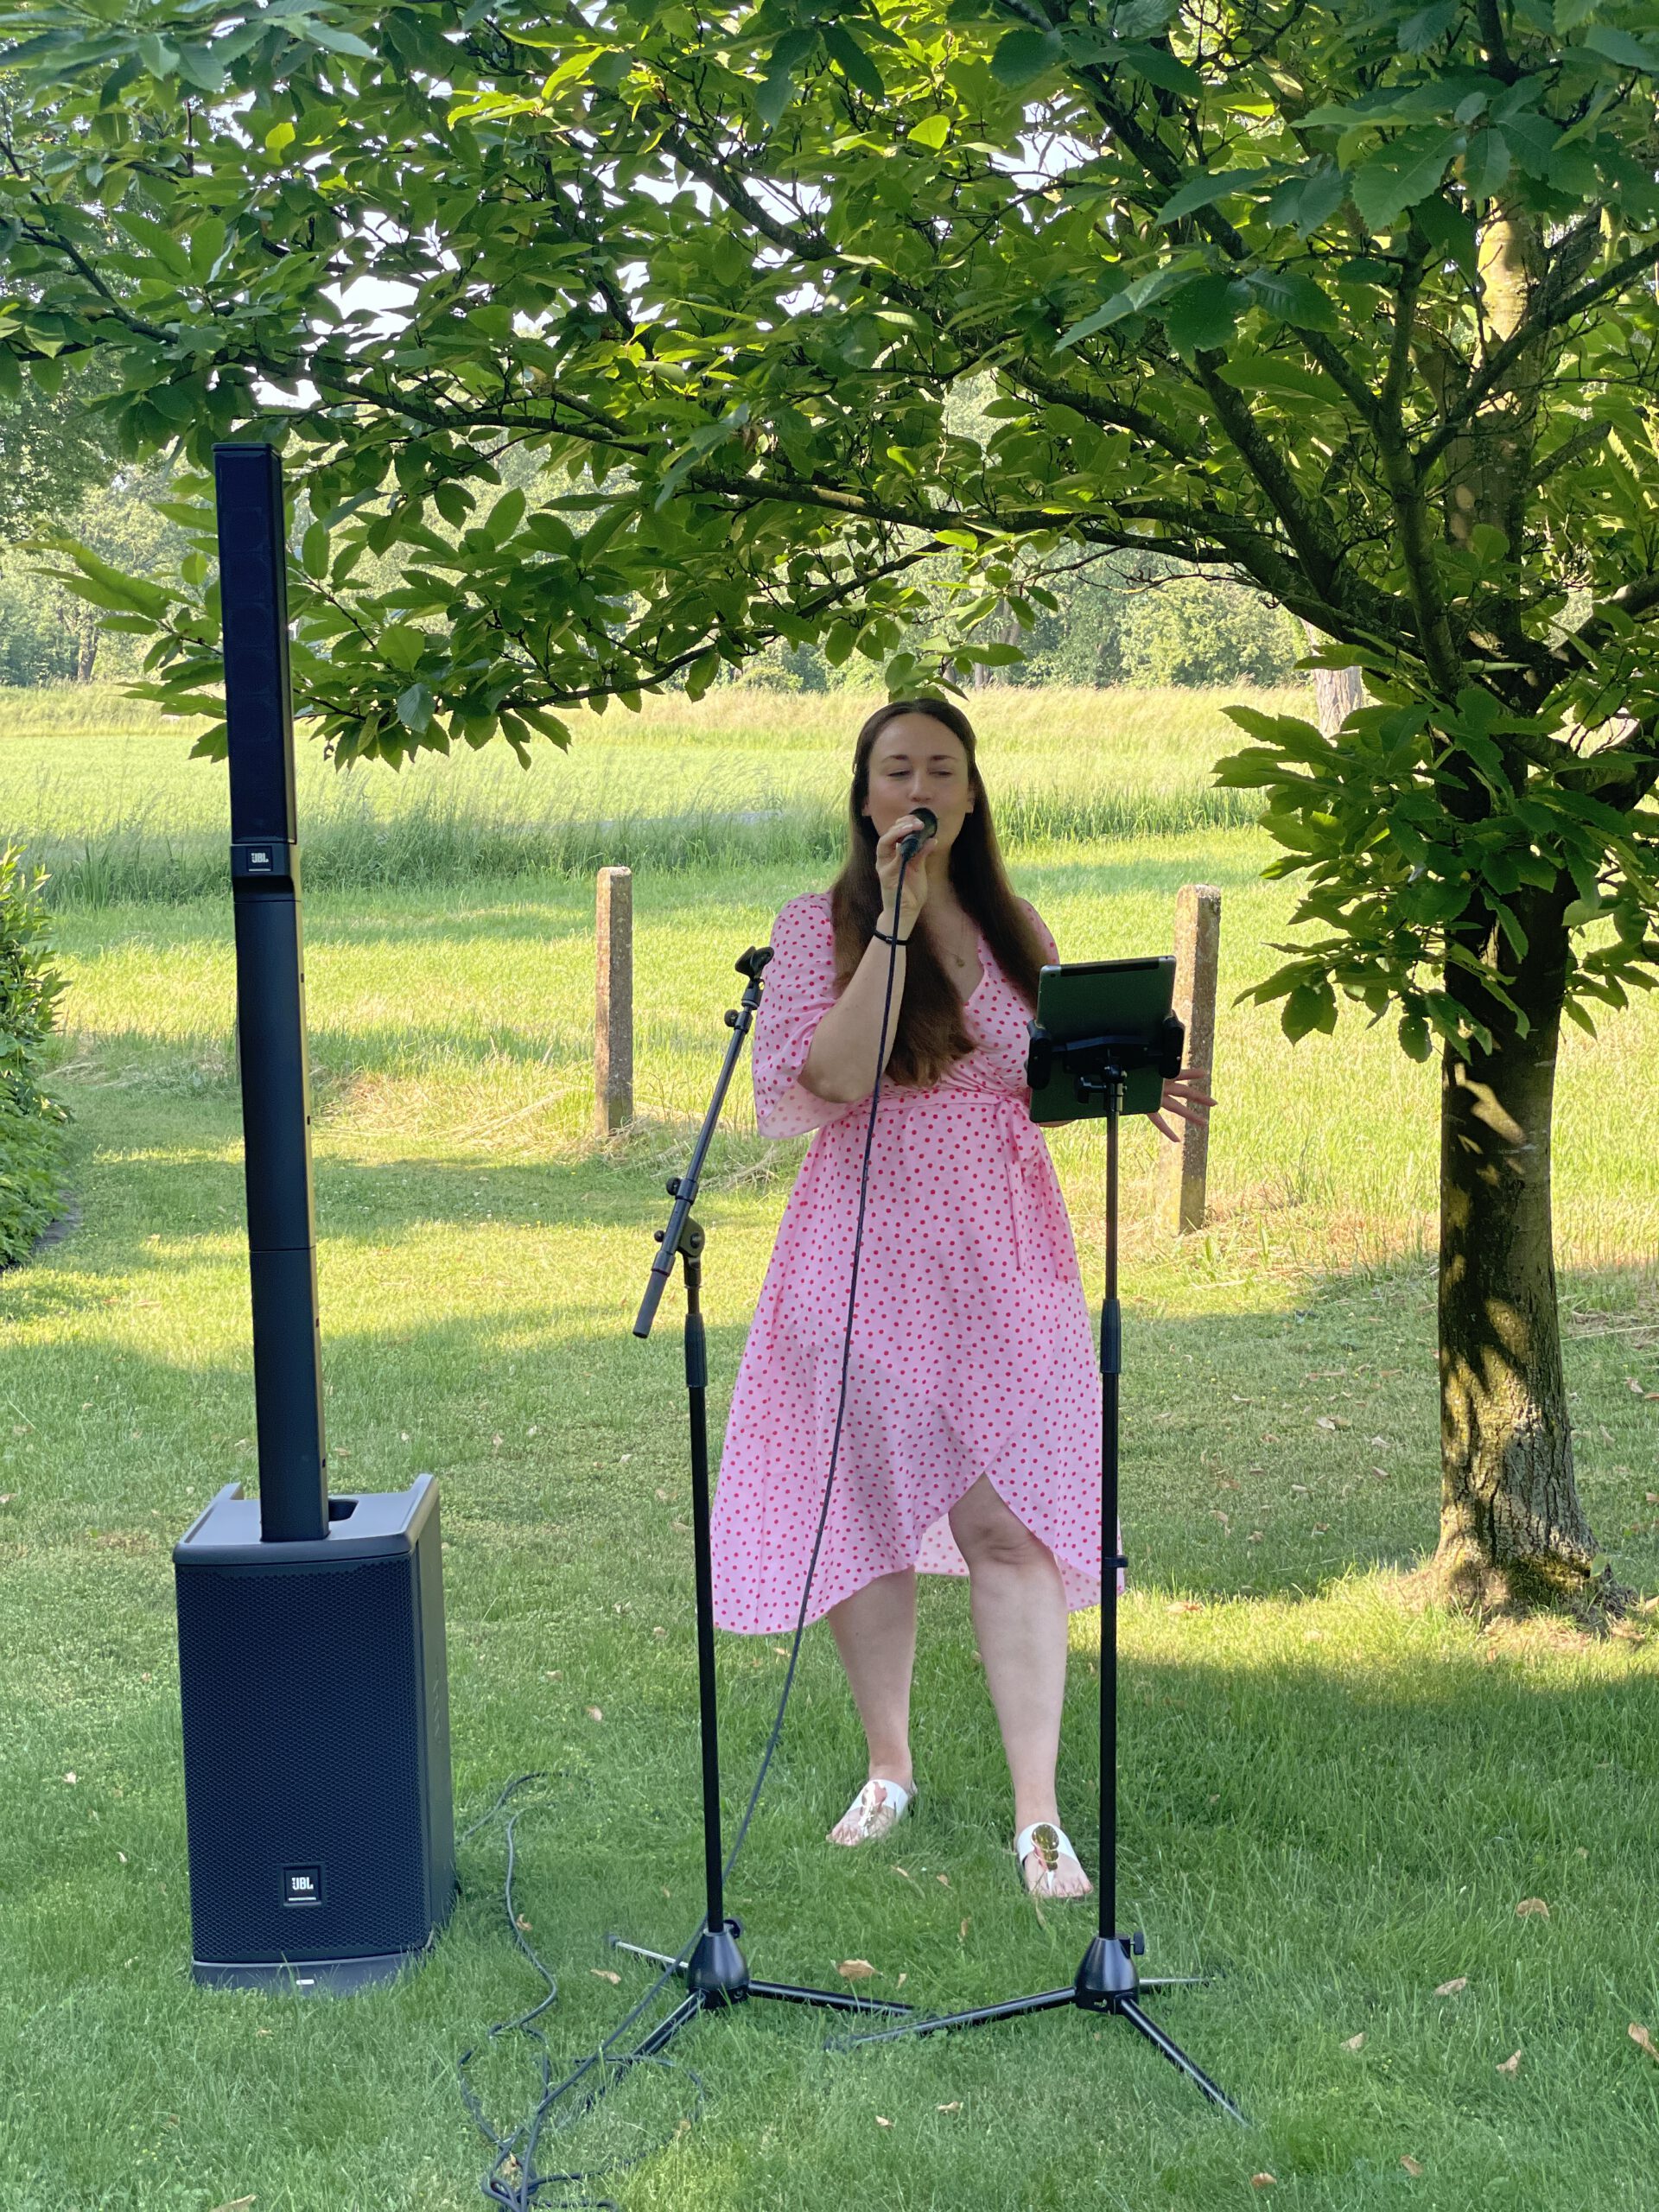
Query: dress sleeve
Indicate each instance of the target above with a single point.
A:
(800, 990)
(1045, 935)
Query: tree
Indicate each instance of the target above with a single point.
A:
(50, 633)
(53, 453)
(1186, 632)
(1351, 300)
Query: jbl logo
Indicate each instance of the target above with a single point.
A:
(301, 1886)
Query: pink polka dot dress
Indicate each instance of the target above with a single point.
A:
(973, 1352)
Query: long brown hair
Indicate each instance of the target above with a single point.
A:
(931, 1034)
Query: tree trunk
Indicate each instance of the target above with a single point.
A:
(1513, 1534)
(1336, 692)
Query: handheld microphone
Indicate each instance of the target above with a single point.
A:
(909, 847)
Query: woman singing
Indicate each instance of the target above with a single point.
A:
(971, 1441)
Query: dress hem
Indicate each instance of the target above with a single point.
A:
(1071, 1576)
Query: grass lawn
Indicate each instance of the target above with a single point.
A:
(1333, 1802)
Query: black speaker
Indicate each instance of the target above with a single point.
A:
(315, 1714)
(313, 1680)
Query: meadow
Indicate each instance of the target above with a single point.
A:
(1407, 1849)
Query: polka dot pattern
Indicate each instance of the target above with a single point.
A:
(973, 1352)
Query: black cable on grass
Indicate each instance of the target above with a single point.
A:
(519, 2192)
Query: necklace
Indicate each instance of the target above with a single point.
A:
(961, 961)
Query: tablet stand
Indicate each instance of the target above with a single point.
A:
(1108, 1980)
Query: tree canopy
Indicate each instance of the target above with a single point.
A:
(1353, 301)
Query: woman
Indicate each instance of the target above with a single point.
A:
(971, 1439)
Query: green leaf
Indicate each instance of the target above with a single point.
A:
(1512, 929)
(1532, 139)
(931, 131)
(157, 56)
(415, 709)
(1310, 1005)
(197, 66)
(1584, 911)
(1486, 164)
(403, 644)
(314, 551)
(1429, 26)
(1406, 170)
(1202, 190)
(1305, 202)
(1204, 314)
(1294, 299)
(206, 243)
(1143, 18)
(843, 48)
(776, 91)
(1133, 299)
(505, 516)
(1023, 55)
(1449, 230)
(331, 36)
(1414, 1036)
(1163, 70)
(1621, 47)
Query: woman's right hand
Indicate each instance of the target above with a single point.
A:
(887, 864)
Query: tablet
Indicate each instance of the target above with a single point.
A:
(1095, 998)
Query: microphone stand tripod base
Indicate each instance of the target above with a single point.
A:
(717, 1977)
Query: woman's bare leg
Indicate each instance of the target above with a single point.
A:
(875, 1634)
(1018, 1603)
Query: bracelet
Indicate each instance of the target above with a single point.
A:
(886, 938)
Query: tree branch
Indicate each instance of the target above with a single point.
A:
(1498, 366)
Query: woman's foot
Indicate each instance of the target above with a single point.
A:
(878, 1808)
(1051, 1866)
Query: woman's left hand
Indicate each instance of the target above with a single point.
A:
(1182, 1095)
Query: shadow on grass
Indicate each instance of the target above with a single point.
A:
(1265, 1453)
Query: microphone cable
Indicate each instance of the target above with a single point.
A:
(519, 2192)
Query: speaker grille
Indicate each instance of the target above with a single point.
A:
(300, 1691)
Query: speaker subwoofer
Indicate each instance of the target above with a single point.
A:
(316, 1741)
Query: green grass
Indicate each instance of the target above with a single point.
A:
(118, 811)
(1331, 1802)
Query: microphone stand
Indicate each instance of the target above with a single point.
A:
(715, 1972)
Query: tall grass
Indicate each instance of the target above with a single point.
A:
(116, 810)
